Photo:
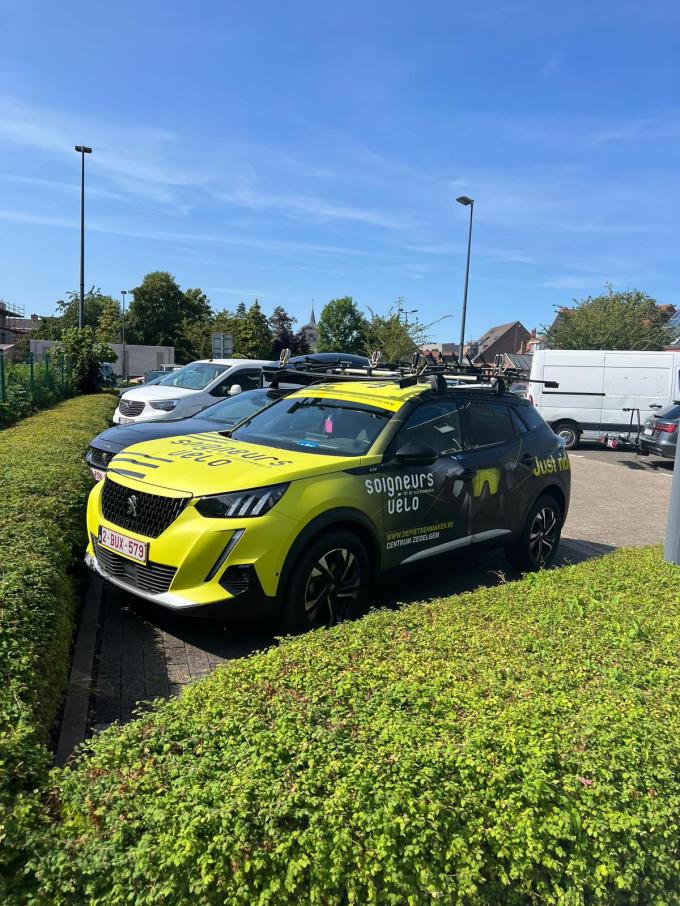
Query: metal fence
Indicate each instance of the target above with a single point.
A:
(29, 385)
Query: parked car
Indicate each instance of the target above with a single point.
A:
(217, 417)
(152, 377)
(595, 386)
(188, 390)
(294, 511)
(660, 433)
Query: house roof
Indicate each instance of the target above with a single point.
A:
(495, 334)
(516, 360)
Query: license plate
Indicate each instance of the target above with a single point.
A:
(125, 421)
(121, 544)
(648, 432)
(97, 474)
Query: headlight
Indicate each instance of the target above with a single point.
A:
(165, 405)
(255, 502)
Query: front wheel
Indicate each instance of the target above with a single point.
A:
(536, 547)
(329, 584)
(569, 432)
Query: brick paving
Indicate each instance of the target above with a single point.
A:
(142, 652)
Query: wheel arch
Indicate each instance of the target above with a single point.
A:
(557, 493)
(340, 518)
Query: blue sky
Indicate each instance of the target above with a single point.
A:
(297, 151)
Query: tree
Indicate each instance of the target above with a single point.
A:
(84, 353)
(255, 341)
(281, 326)
(110, 321)
(159, 307)
(102, 314)
(300, 343)
(342, 327)
(613, 320)
(395, 339)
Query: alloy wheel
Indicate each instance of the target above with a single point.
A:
(543, 535)
(333, 588)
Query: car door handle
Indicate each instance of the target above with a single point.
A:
(655, 406)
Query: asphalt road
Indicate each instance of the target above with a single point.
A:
(135, 652)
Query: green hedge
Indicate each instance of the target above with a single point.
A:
(44, 489)
(511, 745)
(51, 382)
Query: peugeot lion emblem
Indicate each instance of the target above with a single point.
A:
(132, 506)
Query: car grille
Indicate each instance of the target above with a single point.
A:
(139, 512)
(99, 457)
(150, 577)
(130, 407)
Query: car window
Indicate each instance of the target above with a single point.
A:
(246, 378)
(195, 376)
(530, 416)
(435, 425)
(672, 411)
(325, 426)
(236, 408)
(487, 424)
(520, 427)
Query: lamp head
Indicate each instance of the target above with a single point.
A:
(463, 199)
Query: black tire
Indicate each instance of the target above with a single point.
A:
(569, 432)
(328, 584)
(536, 547)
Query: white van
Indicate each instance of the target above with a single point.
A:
(595, 386)
(186, 391)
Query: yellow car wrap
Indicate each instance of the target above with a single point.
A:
(201, 519)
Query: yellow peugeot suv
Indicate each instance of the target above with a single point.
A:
(295, 510)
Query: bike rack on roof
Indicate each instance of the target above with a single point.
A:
(424, 369)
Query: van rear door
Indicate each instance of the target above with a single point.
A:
(638, 381)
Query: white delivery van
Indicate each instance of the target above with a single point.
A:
(595, 386)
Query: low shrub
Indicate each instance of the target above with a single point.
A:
(44, 489)
(511, 745)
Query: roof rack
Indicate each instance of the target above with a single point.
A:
(424, 369)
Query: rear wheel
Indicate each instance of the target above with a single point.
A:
(569, 432)
(536, 548)
(329, 584)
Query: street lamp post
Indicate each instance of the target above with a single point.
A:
(123, 293)
(82, 150)
(464, 200)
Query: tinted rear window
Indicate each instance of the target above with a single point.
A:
(672, 411)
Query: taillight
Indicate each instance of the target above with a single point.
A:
(666, 427)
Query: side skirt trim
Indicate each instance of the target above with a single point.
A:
(454, 545)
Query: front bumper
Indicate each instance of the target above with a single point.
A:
(198, 562)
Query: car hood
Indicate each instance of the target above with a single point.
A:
(121, 436)
(200, 464)
(157, 392)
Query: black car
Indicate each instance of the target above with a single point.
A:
(660, 433)
(218, 417)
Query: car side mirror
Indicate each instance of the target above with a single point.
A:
(234, 389)
(413, 454)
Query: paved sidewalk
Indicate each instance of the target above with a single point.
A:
(142, 652)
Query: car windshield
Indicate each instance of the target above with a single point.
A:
(326, 426)
(195, 376)
(236, 408)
